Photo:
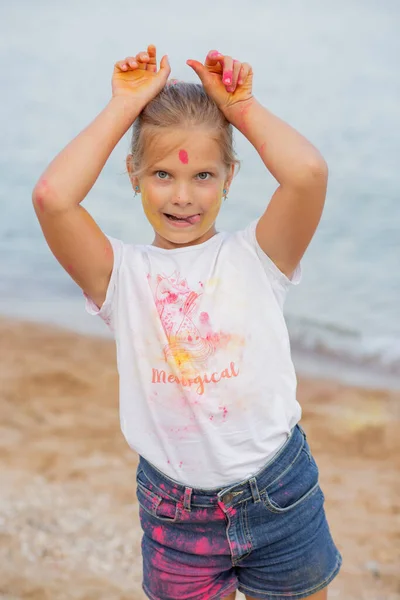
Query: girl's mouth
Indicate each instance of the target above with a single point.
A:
(182, 221)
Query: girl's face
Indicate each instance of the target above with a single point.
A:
(182, 191)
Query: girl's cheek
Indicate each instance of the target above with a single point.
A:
(212, 212)
(150, 211)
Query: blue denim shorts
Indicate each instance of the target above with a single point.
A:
(266, 536)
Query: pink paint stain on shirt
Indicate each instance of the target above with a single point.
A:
(204, 318)
(183, 157)
(225, 412)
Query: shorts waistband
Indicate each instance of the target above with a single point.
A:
(236, 493)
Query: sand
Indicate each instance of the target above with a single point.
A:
(69, 526)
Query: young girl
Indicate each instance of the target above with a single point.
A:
(228, 490)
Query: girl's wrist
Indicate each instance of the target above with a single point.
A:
(235, 113)
(129, 109)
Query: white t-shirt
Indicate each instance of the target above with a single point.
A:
(207, 384)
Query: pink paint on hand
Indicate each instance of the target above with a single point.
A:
(183, 157)
(228, 77)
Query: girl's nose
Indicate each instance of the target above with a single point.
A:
(182, 199)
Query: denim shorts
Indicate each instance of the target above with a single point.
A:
(266, 536)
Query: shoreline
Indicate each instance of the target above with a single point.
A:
(308, 363)
(68, 511)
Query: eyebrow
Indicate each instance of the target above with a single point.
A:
(202, 170)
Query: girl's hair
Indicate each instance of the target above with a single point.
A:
(179, 105)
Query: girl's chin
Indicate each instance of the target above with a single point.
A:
(182, 236)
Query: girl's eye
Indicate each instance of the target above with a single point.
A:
(203, 175)
(163, 172)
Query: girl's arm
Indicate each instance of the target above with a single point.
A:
(72, 235)
(288, 224)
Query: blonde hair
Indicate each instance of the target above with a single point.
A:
(180, 105)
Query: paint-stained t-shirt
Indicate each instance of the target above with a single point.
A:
(207, 384)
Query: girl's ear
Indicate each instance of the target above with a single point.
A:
(131, 167)
(229, 176)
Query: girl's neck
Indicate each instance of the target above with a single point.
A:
(160, 242)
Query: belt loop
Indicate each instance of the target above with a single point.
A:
(187, 498)
(254, 489)
(302, 431)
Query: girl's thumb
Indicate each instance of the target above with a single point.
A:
(199, 69)
(164, 65)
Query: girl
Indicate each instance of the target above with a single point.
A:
(228, 490)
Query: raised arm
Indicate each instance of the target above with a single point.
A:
(288, 224)
(72, 235)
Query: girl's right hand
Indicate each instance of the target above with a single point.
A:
(136, 78)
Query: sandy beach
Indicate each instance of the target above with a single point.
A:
(69, 526)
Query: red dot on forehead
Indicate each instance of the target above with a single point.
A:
(183, 157)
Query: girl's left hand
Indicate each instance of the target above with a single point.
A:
(227, 81)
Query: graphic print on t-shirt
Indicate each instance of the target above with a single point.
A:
(177, 306)
(191, 341)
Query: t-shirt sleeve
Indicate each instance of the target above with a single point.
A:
(279, 281)
(105, 312)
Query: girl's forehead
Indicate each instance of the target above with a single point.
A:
(194, 144)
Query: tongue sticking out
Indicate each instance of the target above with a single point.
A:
(194, 219)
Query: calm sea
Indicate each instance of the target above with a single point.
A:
(328, 68)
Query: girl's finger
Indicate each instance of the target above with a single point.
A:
(152, 64)
(237, 65)
(244, 71)
(227, 73)
(132, 62)
(119, 64)
(212, 58)
(142, 58)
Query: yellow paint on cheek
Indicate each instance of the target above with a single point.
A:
(153, 216)
(212, 214)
